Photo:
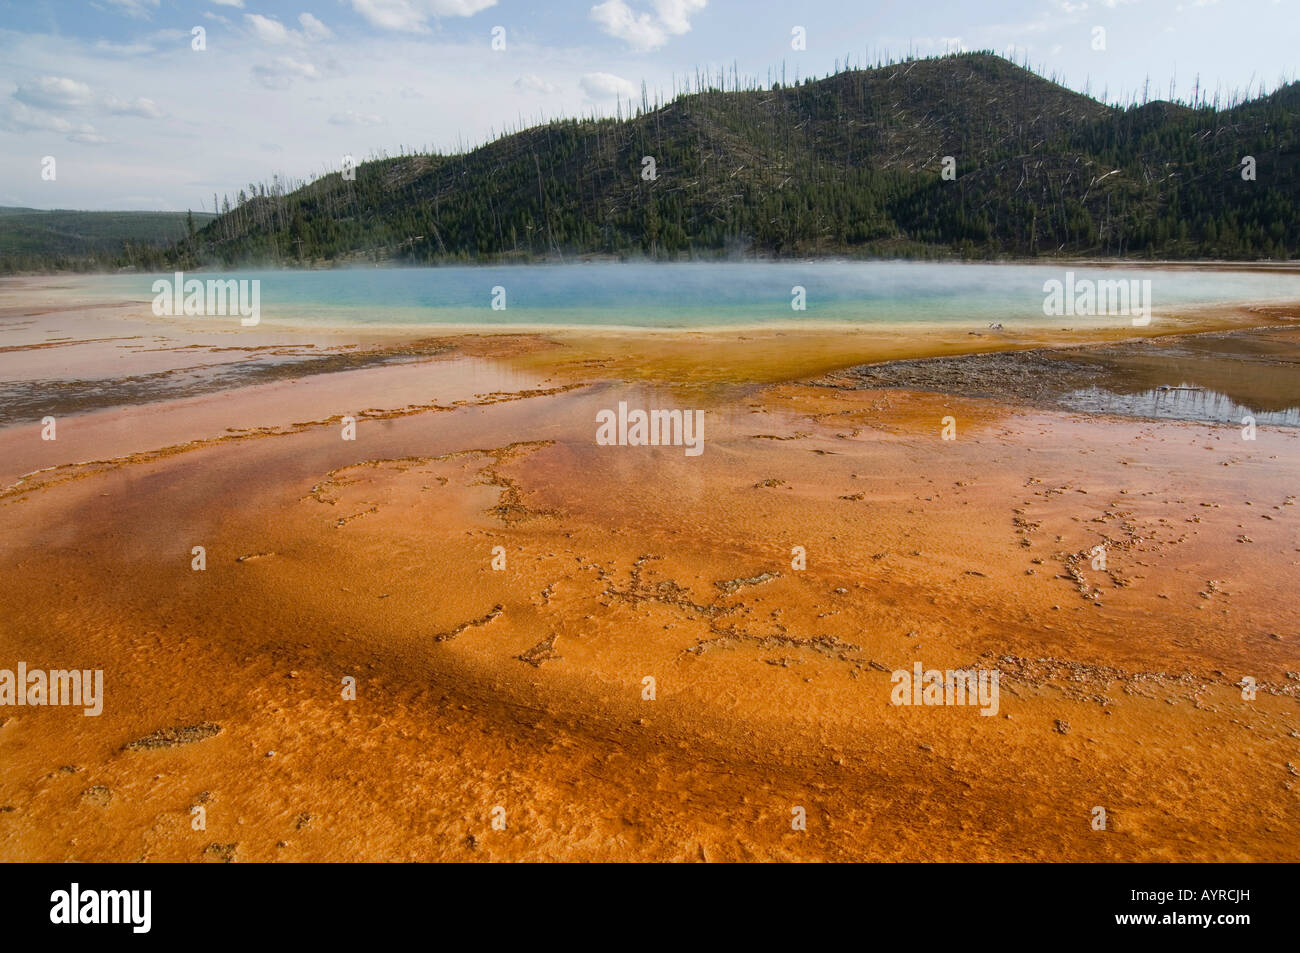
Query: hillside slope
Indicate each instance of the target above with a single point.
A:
(849, 164)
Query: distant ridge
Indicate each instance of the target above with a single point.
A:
(32, 239)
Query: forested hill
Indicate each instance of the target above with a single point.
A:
(63, 239)
(846, 165)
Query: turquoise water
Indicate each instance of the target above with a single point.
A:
(715, 294)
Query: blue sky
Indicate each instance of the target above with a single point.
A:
(136, 118)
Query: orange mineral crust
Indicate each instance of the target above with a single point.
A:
(475, 633)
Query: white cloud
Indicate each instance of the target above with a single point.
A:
(638, 31)
(144, 108)
(135, 8)
(281, 73)
(601, 87)
(238, 4)
(391, 14)
(272, 31)
(312, 28)
(351, 118)
(676, 15)
(413, 15)
(532, 83)
(266, 29)
(33, 107)
(644, 31)
(17, 117)
(123, 49)
(54, 92)
(458, 8)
